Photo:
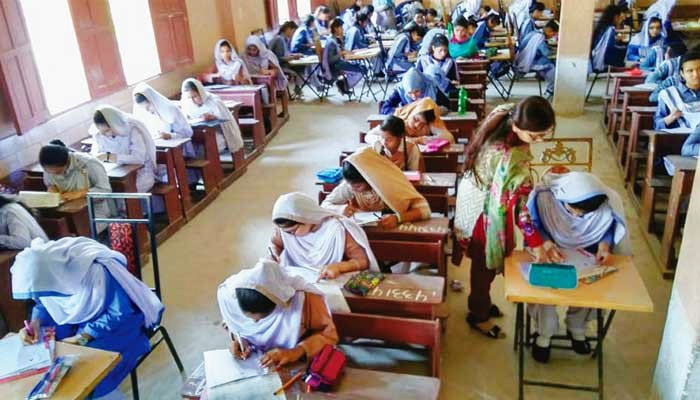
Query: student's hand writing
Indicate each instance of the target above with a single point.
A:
(209, 117)
(350, 209)
(276, 358)
(26, 338)
(553, 252)
(166, 136)
(388, 222)
(68, 196)
(540, 255)
(235, 348)
(603, 253)
(330, 271)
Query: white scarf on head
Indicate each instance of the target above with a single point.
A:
(265, 59)
(68, 277)
(229, 70)
(122, 124)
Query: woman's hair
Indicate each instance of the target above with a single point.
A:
(99, 119)
(140, 98)
(429, 116)
(191, 87)
(539, 6)
(351, 174)
(354, 8)
(552, 24)
(361, 16)
(460, 21)
(533, 113)
(657, 20)
(252, 301)
(285, 222)
(394, 125)
(336, 23)
(606, 20)
(226, 43)
(440, 41)
(493, 19)
(288, 25)
(368, 9)
(54, 155)
(432, 11)
(322, 9)
(412, 27)
(590, 204)
(308, 20)
(58, 142)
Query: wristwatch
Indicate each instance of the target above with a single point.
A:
(82, 340)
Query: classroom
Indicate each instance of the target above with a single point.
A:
(349, 199)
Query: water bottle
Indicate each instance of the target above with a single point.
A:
(462, 102)
(450, 28)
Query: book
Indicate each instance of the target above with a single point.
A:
(39, 199)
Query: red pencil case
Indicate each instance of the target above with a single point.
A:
(436, 145)
(325, 368)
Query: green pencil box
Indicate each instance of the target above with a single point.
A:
(556, 276)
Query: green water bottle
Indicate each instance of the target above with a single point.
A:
(462, 102)
(450, 28)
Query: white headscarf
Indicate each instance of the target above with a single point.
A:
(122, 124)
(68, 277)
(229, 128)
(324, 246)
(229, 70)
(265, 59)
(282, 328)
(570, 231)
(526, 55)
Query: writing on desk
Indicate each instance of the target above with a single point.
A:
(417, 295)
(408, 227)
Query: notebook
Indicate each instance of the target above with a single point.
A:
(19, 360)
(221, 367)
(39, 199)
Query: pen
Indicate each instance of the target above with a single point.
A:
(272, 254)
(377, 215)
(29, 328)
(288, 383)
(240, 342)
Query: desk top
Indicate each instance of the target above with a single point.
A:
(306, 60)
(635, 89)
(234, 88)
(87, 372)
(623, 290)
(626, 75)
(114, 171)
(437, 179)
(642, 109)
(208, 124)
(453, 116)
(363, 54)
(171, 143)
(422, 231)
(404, 288)
(455, 148)
(678, 131)
(681, 163)
(6, 256)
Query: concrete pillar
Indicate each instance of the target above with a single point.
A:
(572, 56)
(677, 374)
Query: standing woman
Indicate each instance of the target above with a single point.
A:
(261, 61)
(74, 174)
(230, 69)
(605, 49)
(198, 103)
(122, 139)
(493, 195)
(83, 289)
(18, 227)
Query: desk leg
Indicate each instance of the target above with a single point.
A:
(178, 160)
(680, 186)
(599, 350)
(521, 350)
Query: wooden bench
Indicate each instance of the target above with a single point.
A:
(629, 153)
(171, 197)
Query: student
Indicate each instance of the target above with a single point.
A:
(423, 122)
(384, 14)
(122, 139)
(691, 146)
(462, 43)
(389, 140)
(354, 36)
(649, 40)
(347, 74)
(493, 194)
(229, 67)
(419, 18)
(533, 55)
(373, 183)
(281, 46)
(483, 30)
(18, 227)
(466, 9)
(666, 74)
(323, 17)
(349, 15)
(307, 235)
(405, 46)
(198, 103)
(303, 37)
(83, 290)
(679, 105)
(573, 211)
(439, 56)
(261, 61)
(428, 40)
(413, 86)
(605, 50)
(282, 316)
(74, 174)
(161, 116)
(432, 19)
(369, 28)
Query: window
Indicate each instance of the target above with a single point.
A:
(282, 11)
(303, 7)
(57, 54)
(136, 39)
(172, 33)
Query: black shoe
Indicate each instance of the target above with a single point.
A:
(540, 354)
(579, 346)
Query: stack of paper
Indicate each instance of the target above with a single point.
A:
(39, 199)
(18, 359)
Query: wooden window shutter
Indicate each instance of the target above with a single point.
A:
(271, 13)
(98, 46)
(172, 31)
(20, 77)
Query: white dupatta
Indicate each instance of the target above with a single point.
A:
(229, 70)
(526, 55)
(671, 97)
(122, 124)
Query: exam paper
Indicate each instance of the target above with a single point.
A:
(16, 358)
(257, 388)
(220, 367)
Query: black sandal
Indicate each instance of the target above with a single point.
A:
(494, 333)
(495, 312)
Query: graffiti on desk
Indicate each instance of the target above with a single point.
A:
(409, 227)
(403, 294)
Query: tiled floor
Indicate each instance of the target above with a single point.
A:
(233, 231)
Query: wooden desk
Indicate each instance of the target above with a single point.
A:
(398, 295)
(642, 118)
(75, 213)
(623, 290)
(461, 126)
(78, 383)
(14, 311)
(446, 160)
(173, 149)
(681, 185)
(363, 54)
(249, 96)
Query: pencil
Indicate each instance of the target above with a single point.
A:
(240, 342)
(289, 383)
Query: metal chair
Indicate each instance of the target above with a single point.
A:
(134, 222)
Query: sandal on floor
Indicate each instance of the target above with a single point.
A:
(495, 312)
(494, 333)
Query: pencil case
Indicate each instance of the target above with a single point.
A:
(52, 378)
(330, 175)
(363, 282)
(325, 368)
(436, 145)
(556, 276)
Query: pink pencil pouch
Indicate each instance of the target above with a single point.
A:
(436, 145)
